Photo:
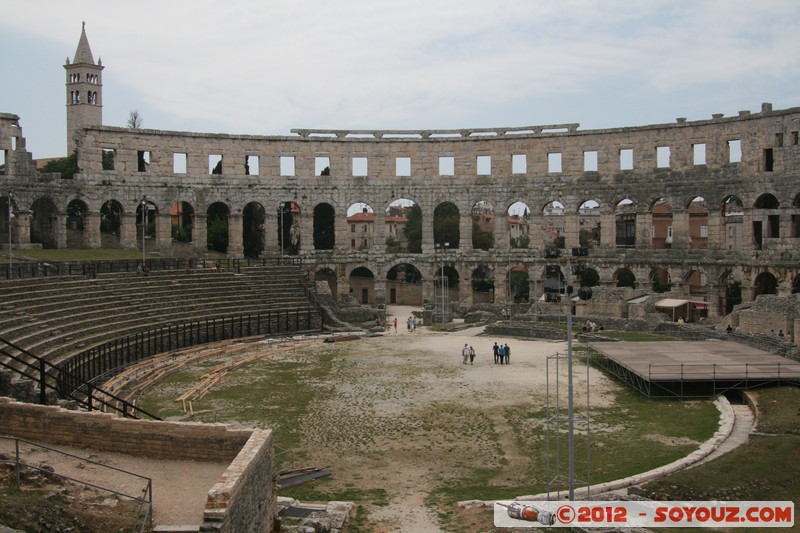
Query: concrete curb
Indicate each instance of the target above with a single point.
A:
(723, 432)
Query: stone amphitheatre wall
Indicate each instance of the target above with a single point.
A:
(243, 499)
(752, 158)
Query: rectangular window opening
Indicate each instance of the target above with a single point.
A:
(287, 165)
(554, 162)
(215, 164)
(179, 162)
(484, 165)
(13, 143)
(699, 153)
(322, 166)
(143, 160)
(519, 163)
(2, 162)
(447, 165)
(403, 166)
(251, 165)
(360, 166)
(769, 160)
(108, 158)
(662, 156)
(735, 151)
(590, 161)
(795, 138)
(626, 159)
(779, 140)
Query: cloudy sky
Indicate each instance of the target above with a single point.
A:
(267, 66)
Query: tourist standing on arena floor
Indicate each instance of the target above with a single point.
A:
(496, 352)
(465, 353)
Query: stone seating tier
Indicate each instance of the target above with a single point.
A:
(56, 318)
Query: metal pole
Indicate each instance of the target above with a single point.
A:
(10, 216)
(144, 226)
(280, 227)
(570, 407)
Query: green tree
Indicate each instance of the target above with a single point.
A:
(109, 218)
(446, 225)
(625, 278)
(67, 166)
(481, 239)
(413, 230)
(253, 234)
(522, 241)
(733, 295)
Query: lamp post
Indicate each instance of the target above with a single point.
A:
(443, 303)
(10, 216)
(144, 227)
(281, 211)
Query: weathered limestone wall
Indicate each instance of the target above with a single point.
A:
(244, 498)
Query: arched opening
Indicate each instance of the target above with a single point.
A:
(76, 230)
(659, 278)
(766, 220)
(519, 231)
(483, 285)
(732, 222)
(362, 285)
(404, 285)
(589, 277)
(698, 223)
(217, 230)
(403, 225)
(361, 226)
(554, 225)
(110, 224)
(625, 278)
(698, 285)
(661, 213)
(181, 216)
(146, 212)
(796, 285)
(289, 228)
(483, 225)
(795, 227)
(44, 221)
(625, 224)
(730, 292)
(446, 225)
(253, 218)
(765, 283)
(589, 224)
(519, 284)
(328, 276)
(324, 223)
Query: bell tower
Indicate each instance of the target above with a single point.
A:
(84, 90)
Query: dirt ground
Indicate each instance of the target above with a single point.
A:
(383, 430)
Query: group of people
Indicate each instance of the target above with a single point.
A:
(468, 353)
(590, 327)
(502, 354)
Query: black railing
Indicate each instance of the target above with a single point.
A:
(103, 361)
(39, 269)
(144, 511)
(50, 377)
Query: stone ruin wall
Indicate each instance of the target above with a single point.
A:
(537, 186)
(243, 499)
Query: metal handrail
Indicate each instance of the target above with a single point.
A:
(52, 377)
(147, 493)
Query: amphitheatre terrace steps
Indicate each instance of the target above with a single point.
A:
(39, 336)
(60, 317)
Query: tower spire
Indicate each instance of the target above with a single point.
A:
(84, 90)
(83, 54)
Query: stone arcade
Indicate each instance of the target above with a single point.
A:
(693, 205)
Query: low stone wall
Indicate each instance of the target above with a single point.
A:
(244, 498)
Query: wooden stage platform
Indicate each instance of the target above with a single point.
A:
(694, 369)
